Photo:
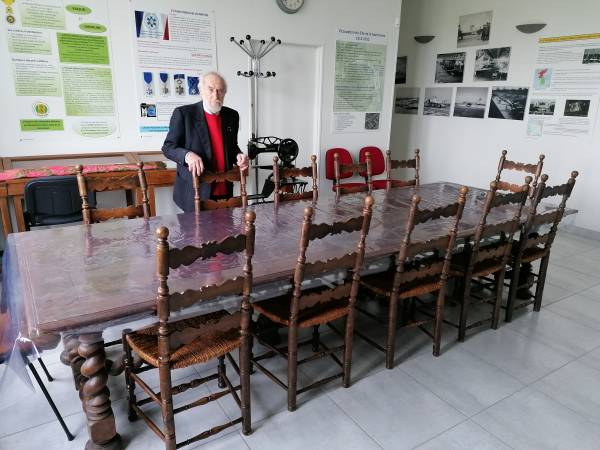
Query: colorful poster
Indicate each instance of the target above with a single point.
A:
(174, 46)
(565, 88)
(59, 55)
(359, 80)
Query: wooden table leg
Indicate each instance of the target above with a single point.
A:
(19, 214)
(95, 395)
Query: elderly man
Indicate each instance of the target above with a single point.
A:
(203, 136)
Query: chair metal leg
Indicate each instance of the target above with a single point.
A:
(43, 366)
(70, 437)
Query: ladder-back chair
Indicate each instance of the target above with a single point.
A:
(279, 173)
(346, 170)
(118, 182)
(535, 170)
(421, 267)
(487, 254)
(393, 164)
(187, 342)
(234, 175)
(317, 306)
(536, 241)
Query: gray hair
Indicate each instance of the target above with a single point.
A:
(214, 73)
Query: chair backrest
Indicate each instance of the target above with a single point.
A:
(534, 169)
(345, 158)
(392, 164)
(54, 201)
(492, 242)
(280, 173)
(353, 261)
(377, 160)
(234, 175)
(340, 169)
(168, 259)
(428, 260)
(117, 182)
(537, 220)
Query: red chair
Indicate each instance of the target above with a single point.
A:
(345, 158)
(377, 164)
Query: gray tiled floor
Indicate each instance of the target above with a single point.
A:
(532, 384)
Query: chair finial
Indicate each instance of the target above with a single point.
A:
(162, 232)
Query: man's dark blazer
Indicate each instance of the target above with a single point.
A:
(188, 132)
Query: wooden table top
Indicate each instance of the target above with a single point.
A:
(90, 276)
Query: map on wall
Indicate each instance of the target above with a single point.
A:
(565, 87)
(59, 55)
(174, 46)
(359, 80)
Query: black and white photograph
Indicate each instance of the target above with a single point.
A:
(474, 29)
(542, 106)
(401, 70)
(591, 56)
(508, 103)
(470, 102)
(577, 108)
(407, 100)
(371, 121)
(437, 101)
(450, 67)
(491, 64)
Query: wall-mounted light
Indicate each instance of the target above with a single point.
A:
(424, 39)
(529, 28)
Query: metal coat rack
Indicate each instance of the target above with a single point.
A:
(255, 49)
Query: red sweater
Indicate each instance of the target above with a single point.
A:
(218, 150)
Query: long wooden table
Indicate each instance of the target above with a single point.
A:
(81, 279)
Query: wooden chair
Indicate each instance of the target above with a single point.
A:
(378, 164)
(392, 164)
(535, 242)
(183, 343)
(421, 267)
(484, 258)
(347, 170)
(234, 175)
(318, 306)
(281, 195)
(128, 182)
(344, 158)
(534, 169)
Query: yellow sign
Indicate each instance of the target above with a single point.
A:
(575, 37)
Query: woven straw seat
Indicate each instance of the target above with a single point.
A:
(531, 254)
(193, 341)
(278, 310)
(381, 284)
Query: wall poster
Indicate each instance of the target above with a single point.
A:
(359, 80)
(565, 86)
(59, 55)
(173, 48)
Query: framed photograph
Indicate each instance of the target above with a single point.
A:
(591, 56)
(401, 70)
(491, 64)
(542, 106)
(470, 102)
(577, 108)
(407, 100)
(437, 101)
(508, 103)
(474, 29)
(450, 67)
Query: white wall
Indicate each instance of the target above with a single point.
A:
(467, 150)
(315, 25)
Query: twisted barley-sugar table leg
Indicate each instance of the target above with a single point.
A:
(95, 395)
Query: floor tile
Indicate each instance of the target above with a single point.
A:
(321, 424)
(586, 263)
(570, 279)
(395, 410)
(467, 435)
(593, 292)
(557, 332)
(532, 420)
(575, 386)
(463, 380)
(580, 309)
(553, 294)
(523, 358)
(592, 359)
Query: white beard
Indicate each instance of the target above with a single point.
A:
(210, 110)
